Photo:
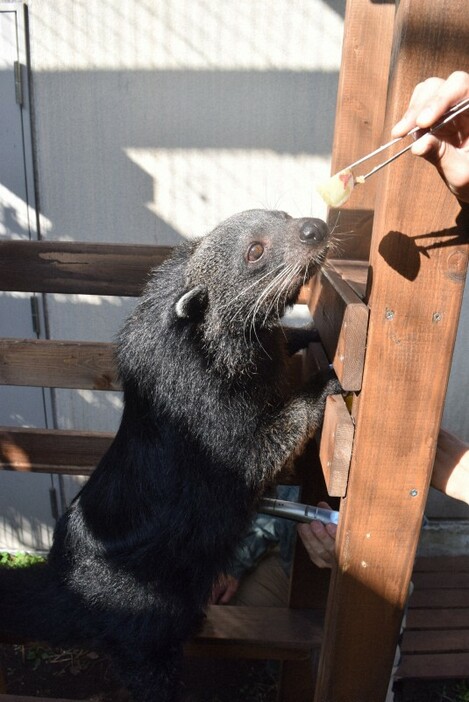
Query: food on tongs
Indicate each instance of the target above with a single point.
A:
(336, 190)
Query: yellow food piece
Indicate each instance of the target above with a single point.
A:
(337, 189)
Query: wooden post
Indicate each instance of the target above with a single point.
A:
(418, 264)
(360, 112)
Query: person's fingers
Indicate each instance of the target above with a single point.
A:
(450, 92)
(423, 92)
(318, 542)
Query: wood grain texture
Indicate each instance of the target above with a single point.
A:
(436, 637)
(414, 306)
(336, 445)
(360, 115)
(74, 267)
(51, 450)
(342, 320)
(253, 632)
(58, 364)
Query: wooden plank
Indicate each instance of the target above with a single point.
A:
(51, 450)
(355, 274)
(443, 619)
(359, 115)
(445, 580)
(434, 666)
(408, 360)
(336, 445)
(76, 267)
(341, 319)
(257, 632)
(428, 641)
(447, 564)
(58, 364)
(437, 598)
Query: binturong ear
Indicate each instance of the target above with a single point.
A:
(192, 304)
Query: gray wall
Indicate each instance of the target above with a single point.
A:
(152, 122)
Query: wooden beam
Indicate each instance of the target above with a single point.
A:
(76, 267)
(413, 323)
(58, 364)
(252, 632)
(52, 450)
(359, 115)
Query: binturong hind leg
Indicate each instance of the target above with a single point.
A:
(150, 674)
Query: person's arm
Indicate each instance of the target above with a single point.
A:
(448, 149)
(451, 469)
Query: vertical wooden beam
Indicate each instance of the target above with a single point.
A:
(418, 262)
(359, 118)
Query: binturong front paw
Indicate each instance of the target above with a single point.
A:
(321, 385)
(326, 383)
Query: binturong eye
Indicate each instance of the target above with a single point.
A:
(255, 252)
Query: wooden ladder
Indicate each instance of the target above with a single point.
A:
(412, 242)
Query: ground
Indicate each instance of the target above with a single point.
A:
(77, 674)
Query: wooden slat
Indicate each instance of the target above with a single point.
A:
(442, 619)
(58, 364)
(445, 580)
(448, 564)
(437, 598)
(51, 451)
(434, 666)
(355, 274)
(341, 319)
(75, 267)
(257, 632)
(430, 641)
(408, 359)
(336, 445)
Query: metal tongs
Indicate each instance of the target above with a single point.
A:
(297, 511)
(447, 117)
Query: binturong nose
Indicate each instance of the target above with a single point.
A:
(313, 231)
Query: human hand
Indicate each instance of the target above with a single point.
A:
(224, 589)
(319, 540)
(448, 149)
(451, 469)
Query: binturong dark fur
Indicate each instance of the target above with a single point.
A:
(209, 420)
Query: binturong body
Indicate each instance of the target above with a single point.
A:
(209, 420)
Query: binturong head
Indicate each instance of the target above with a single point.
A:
(250, 268)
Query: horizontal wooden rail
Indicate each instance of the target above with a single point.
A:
(76, 267)
(52, 450)
(254, 632)
(58, 364)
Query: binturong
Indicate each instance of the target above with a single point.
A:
(209, 420)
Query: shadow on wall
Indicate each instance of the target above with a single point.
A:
(102, 120)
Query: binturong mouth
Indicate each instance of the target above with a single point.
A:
(314, 240)
(302, 261)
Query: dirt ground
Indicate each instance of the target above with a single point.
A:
(81, 675)
(75, 674)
